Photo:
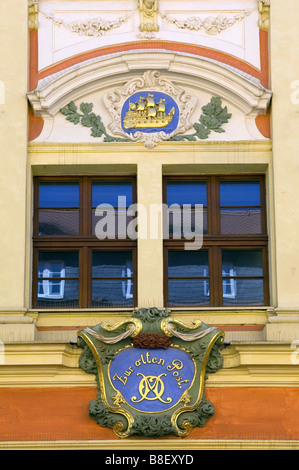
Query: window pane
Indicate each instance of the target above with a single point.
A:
(62, 264)
(188, 264)
(58, 293)
(58, 222)
(114, 223)
(239, 193)
(247, 263)
(190, 222)
(112, 293)
(186, 192)
(58, 194)
(245, 292)
(112, 264)
(240, 221)
(108, 193)
(188, 292)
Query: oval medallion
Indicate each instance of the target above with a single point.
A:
(152, 380)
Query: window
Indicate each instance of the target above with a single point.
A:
(72, 266)
(231, 268)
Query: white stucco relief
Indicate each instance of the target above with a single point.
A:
(69, 28)
(99, 81)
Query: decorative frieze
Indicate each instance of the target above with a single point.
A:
(92, 27)
(212, 25)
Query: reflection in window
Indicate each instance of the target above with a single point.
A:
(188, 277)
(57, 279)
(112, 217)
(58, 208)
(240, 207)
(182, 195)
(234, 237)
(112, 278)
(72, 267)
(243, 276)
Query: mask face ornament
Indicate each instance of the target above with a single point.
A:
(151, 371)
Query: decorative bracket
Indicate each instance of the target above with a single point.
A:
(264, 15)
(148, 16)
(33, 15)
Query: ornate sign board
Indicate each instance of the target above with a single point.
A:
(150, 109)
(151, 371)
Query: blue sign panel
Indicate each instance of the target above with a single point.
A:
(150, 111)
(152, 380)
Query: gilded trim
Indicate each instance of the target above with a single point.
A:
(118, 427)
(187, 427)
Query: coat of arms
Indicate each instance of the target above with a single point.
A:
(150, 109)
(151, 371)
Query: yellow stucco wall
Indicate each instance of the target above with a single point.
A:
(13, 149)
(284, 65)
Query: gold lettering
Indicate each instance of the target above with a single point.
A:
(146, 359)
(129, 372)
(122, 379)
(176, 364)
(183, 382)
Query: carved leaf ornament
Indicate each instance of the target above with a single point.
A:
(150, 109)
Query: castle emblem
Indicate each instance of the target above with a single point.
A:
(146, 113)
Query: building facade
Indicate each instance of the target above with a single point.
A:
(149, 161)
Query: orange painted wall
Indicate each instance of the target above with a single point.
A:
(47, 414)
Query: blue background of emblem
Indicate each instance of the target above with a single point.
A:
(169, 103)
(128, 357)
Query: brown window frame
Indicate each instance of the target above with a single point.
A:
(84, 243)
(215, 242)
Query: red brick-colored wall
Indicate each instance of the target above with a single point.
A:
(47, 414)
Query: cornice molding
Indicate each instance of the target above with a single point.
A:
(154, 444)
(249, 147)
(255, 364)
(55, 91)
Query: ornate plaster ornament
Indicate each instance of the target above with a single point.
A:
(158, 109)
(264, 14)
(150, 371)
(92, 27)
(150, 115)
(33, 15)
(148, 16)
(212, 25)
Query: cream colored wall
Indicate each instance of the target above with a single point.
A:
(13, 149)
(284, 48)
